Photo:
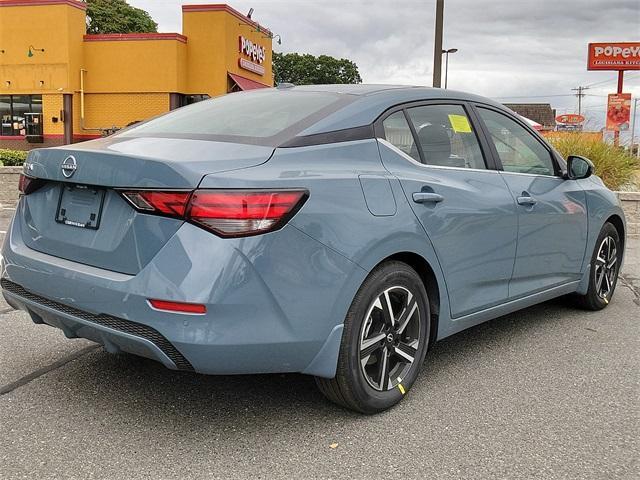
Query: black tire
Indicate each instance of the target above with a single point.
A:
(596, 298)
(354, 385)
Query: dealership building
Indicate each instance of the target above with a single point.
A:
(59, 85)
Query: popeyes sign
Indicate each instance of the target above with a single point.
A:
(614, 56)
(252, 55)
(570, 119)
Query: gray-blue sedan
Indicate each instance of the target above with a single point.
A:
(336, 231)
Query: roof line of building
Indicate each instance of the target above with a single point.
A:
(121, 37)
(214, 7)
(35, 3)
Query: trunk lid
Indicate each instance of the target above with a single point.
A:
(81, 217)
(144, 162)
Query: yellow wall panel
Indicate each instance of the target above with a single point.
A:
(108, 110)
(57, 29)
(134, 66)
(51, 107)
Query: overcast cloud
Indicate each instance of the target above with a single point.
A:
(511, 50)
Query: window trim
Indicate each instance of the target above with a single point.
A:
(487, 153)
(557, 167)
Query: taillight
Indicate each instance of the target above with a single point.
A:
(155, 201)
(227, 213)
(27, 185)
(240, 213)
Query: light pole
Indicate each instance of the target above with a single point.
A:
(437, 44)
(446, 63)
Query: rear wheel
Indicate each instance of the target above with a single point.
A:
(384, 341)
(605, 265)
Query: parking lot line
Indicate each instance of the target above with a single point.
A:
(44, 370)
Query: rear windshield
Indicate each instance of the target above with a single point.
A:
(267, 117)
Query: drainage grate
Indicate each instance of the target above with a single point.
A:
(115, 323)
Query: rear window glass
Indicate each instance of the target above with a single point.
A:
(254, 117)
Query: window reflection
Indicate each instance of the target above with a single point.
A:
(20, 115)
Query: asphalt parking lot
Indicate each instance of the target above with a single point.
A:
(548, 392)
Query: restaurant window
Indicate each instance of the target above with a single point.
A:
(20, 115)
(191, 99)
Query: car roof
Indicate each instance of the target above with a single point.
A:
(373, 100)
(346, 89)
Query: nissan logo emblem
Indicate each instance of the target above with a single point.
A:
(69, 166)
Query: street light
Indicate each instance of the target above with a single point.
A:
(446, 63)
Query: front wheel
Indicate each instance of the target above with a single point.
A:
(605, 266)
(385, 337)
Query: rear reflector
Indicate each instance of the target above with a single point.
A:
(179, 307)
(227, 213)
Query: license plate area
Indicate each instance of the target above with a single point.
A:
(80, 206)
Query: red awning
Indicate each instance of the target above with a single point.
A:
(245, 83)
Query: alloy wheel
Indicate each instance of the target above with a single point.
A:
(606, 267)
(389, 338)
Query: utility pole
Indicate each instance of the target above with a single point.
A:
(580, 94)
(437, 47)
(633, 129)
(616, 133)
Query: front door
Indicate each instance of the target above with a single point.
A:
(552, 226)
(466, 209)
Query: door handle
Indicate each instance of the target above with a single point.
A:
(527, 200)
(427, 197)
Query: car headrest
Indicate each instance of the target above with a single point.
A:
(435, 143)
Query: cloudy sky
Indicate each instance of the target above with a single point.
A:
(510, 50)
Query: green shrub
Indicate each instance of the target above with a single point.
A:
(613, 164)
(10, 158)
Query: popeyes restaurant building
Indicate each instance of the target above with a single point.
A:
(59, 85)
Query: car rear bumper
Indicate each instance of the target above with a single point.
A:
(275, 303)
(116, 334)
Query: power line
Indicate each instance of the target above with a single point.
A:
(537, 96)
(612, 80)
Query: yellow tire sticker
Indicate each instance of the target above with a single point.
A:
(460, 123)
(401, 388)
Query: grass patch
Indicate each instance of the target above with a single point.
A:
(12, 158)
(614, 165)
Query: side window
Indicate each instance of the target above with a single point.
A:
(446, 136)
(518, 149)
(398, 133)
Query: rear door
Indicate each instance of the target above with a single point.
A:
(552, 213)
(465, 207)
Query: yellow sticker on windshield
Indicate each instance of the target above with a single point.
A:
(460, 123)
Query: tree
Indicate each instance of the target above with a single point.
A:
(117, 16)
(307, 69)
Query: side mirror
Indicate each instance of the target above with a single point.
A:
(578, 167)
